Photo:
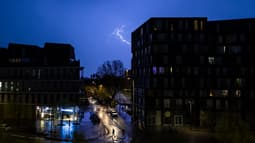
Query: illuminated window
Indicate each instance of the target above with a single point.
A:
(0, 84)
(224, 49)
(201, 25)
(211, 94)
(225, 92)
(211, 60)
(196, 25)
(171, 69)
(154, 70)
(238, 93)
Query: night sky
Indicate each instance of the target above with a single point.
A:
(100, 30)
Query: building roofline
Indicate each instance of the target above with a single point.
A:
(57, 45)
(21, 45)
(174, 18)
(233, 19)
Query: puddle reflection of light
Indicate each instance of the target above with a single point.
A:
(41, 124)
(67, 110)
(66, 130)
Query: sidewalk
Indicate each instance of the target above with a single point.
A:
(170, 134)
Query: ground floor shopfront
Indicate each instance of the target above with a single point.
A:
(21, 116)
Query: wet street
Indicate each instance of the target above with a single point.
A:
(117, 129)
(110, 129)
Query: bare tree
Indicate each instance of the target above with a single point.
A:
(113, 68)
(111, 76)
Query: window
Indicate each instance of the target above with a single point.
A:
(196, 49)
(161, 70)
(161, 36)
(171, 69)
(166, 103)
(235, 49)
(154, 70)
(202, 83)
(165, 82)
(180, 25)
(160, 48)
(178, 102)
(157, 103)
(220, 39)
(141, 31)
(196, 71)
(211, 94)
(196, 28)
(211, 60)
(155, 82)
(238, 93)
(209, 103)
(6, 85)
(165, 59)
(171, 27)
(202, 59)
(231, 38)
(218, 105)
(178, 59)
(179, 37)
(225, 92)
(184, 48)
(178, 120)
(201, 25)
(157, 25)
(239, 82)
